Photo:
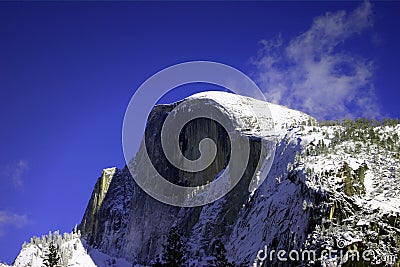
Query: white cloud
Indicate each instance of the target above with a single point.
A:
(15, 172)
(312, 73)
(13, 219)
(21, 168)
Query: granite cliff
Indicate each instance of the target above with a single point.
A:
(325, 193)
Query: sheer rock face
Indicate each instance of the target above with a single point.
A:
(105, 220)
(301, 203)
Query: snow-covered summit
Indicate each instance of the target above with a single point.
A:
(255, 114)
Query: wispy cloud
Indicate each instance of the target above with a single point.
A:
(15, 172)
(314, 74)
(11, 219)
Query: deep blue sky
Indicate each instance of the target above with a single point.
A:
(68, 71)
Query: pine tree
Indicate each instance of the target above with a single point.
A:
(174, 250)
(52, 259)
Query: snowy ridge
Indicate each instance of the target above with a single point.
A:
(258, 117)
(346, 216)
(72, 251)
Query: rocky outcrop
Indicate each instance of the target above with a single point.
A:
(90, 222)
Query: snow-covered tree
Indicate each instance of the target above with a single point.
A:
(52, 258)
